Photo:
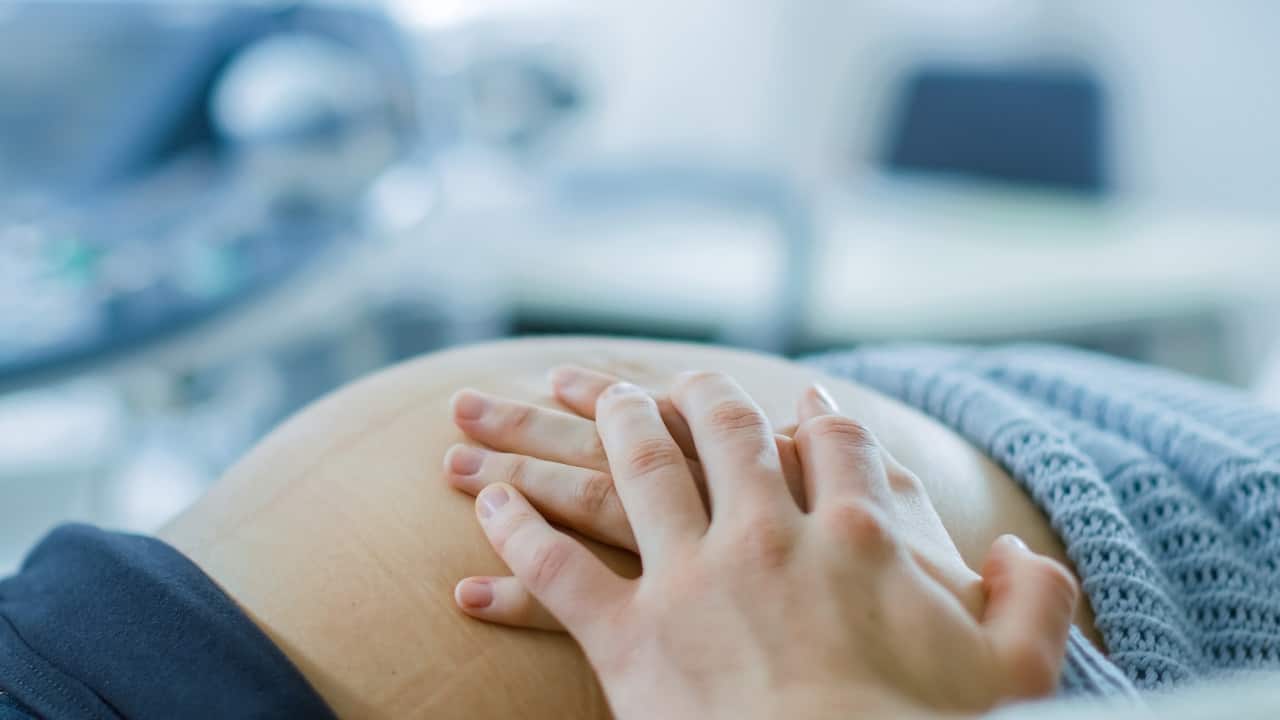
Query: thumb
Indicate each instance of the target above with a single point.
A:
(557, 570)
(1030, 602)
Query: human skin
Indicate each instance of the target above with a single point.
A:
(711, 628)
(558, 460)
(340, 538)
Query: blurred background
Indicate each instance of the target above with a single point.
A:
(211, 213)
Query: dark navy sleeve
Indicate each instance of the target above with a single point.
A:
(11, 710)
(99, 624)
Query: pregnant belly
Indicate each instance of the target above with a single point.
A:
(338, 536)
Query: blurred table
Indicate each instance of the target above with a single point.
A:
(950, 265)
(978, 266)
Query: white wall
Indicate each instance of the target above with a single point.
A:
(693, 77)
(804, 84)
(1198, 90)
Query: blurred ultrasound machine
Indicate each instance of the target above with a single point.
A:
(202, 209)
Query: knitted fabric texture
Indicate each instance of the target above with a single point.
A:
(1165, 491)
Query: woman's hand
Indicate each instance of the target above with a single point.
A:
(758, 608)
(556, 459)
(558, 462)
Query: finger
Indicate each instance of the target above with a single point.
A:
(524, 429)
(792, 471)
(505, 601)
(1030, 602)
(650, 473)
(861, 529)
(570, 582)
(736, 446)
(839, 456)
(814, 401)
(579, 389)
(578, 498)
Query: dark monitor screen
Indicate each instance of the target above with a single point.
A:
(1031, 126)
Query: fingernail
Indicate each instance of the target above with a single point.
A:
(824, 397)
(1013, 541)
(492, 498)
(474, 594)
(621, 388)
(465, 460)
(469, 406)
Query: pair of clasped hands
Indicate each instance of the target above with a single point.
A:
(802, 574)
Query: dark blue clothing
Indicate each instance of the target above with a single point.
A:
(107, 625)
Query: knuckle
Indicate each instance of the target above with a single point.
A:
(595, 494)
(733, 417)
(904, 482)
(651, 455)
(861, 524)
(766, 542)
(517, 471)
(623, 403)
(846, 432)
(518, 418)
(547, 563)
(502, 532)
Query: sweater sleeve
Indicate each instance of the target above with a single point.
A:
(10, 710)
(1087, 673)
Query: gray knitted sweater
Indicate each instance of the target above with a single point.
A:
(1165, 491)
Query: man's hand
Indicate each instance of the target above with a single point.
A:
(760, 607)
(558, 462)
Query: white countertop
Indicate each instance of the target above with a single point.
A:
(949, 266)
